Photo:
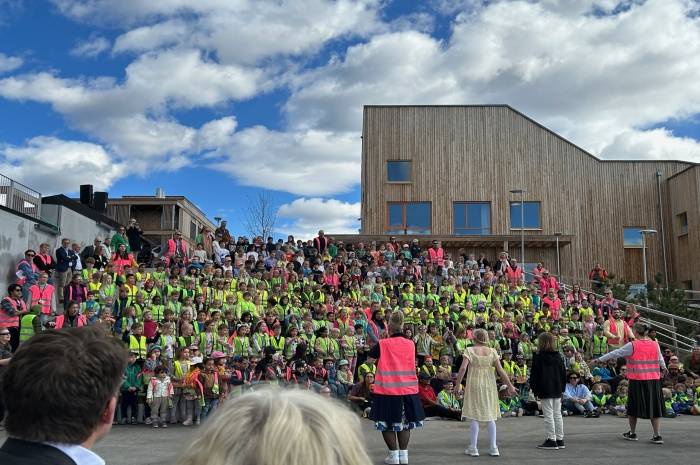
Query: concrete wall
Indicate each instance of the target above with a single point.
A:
(18, 234)
(75, 226)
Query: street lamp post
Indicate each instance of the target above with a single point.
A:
(558, 235)
(644, 233)
(522, 224)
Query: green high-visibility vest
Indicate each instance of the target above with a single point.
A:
(26, 327)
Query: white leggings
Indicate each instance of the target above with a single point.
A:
(491, 425)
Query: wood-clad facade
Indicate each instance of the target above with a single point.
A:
(480, 153)
(684, 233)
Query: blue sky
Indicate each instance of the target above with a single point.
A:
(217, 99)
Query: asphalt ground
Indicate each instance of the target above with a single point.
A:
(588, 440)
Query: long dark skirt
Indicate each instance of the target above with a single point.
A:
(397, 413)
(644, 399)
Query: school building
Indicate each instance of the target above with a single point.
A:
(480, 177)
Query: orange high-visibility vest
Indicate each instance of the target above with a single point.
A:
(396, 369)
(7, 321)
(614, 330)
(436, 256)
(42, 298)
(644, 364)
(61, 319)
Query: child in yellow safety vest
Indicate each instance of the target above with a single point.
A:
(600, 398)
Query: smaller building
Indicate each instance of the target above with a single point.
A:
(76, 221)
(159, 216)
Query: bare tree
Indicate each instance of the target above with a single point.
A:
(260, 215)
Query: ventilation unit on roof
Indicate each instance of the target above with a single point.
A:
(160, 193)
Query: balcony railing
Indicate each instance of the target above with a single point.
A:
(20, 198)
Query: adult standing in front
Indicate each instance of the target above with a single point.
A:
(177, 249)
(120, 238)
(82, 404)
(436, 255)
(64, 268)
(12, 308)
(645, 365)
(133, 234)
(481, 392)
(44, 261)
(617, 330)
(321, 243)
(547, 381)
(396, 408)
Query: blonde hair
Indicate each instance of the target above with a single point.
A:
(481, 336)
(248, 430)
(396, 323)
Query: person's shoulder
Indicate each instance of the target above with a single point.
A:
(19, 452)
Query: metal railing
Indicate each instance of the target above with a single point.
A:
(20, 198)
(667, 333)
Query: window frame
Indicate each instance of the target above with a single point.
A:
(632, 246)
(466, 216)
(388, 228)
(539, 215)
(410, 174)
(683, 229)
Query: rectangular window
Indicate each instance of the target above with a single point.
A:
(398, 171)
(471, 218)
(409, 218)
(682, 223)
(632, 237)
(193, 230)
(531, 213)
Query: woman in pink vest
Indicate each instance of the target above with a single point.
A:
(121, 259)
(645, 365)
(396, 407)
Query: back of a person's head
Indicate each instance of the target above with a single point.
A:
(273, 427)
(546, 342)
(59, 383)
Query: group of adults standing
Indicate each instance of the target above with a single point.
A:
(397, 409)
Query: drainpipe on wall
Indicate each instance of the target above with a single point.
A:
(662, 228)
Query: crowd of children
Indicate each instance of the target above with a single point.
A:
(305, 315)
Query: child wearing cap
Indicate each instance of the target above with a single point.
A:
(344, 379)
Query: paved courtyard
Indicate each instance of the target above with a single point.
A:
(442, 442)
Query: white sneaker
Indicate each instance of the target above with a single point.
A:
(392, 459)
(494, 452)
(472, 451)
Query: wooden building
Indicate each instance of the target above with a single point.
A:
(449, 172)
(160, 216)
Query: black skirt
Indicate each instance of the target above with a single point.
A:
(397, 413)
(644, 399)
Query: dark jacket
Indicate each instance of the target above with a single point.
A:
(547, 375)
(18, 452)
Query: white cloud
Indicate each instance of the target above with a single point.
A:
(589, 77)
(51, 166)
(9, 63)
(91, 47)
(241, 31)
(305, 216)
(301, 162)
(659, 144)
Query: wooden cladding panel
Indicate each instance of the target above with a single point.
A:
(480, 153)
(684, 195)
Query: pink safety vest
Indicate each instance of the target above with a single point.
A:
(396, 369)
(644, 363)
(436, 256)
(42, 298)
(7, 321)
